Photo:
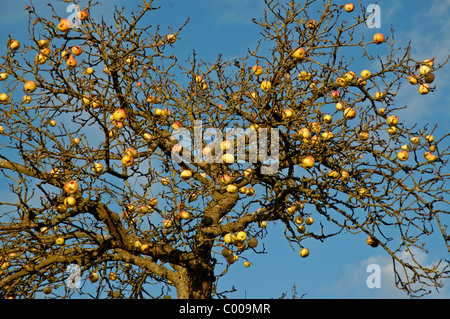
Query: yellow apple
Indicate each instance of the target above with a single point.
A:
(266, 86)
(257, 70)
(403, 155)
(349, 7)
(365, 74)
(186, 174)
(29, 87)
(392, 120)
(349, 113)
(424, 89)
(14, 44)
(308, 162)
(299, 54)
(378, 38)
(371, 241)
(304, 252)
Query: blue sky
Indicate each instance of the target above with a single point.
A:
(337, 267)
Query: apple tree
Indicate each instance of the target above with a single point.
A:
(137, 170)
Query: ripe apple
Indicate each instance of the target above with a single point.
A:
(415, 140)
(167, 223)
(76, 141)
(349, 113)
(327, 135)
(76, 50)
(165, 181)
(298, 219)
(226, 145)
(344, 175)
(147, 137)
(392, 120)
(132, 152)
(341, 81)
(340, 106)
(361, 82)
(308, 162)
(328, 118)
(3, 76)
(365, 74)
(429, 78)
(231, 188)
(364, 135)
(304, 76)
(249, 191)
(226, 179)
(266, 86)
(112, 276)
(429, 138)
(413, 79)
(371, 241)
(41, 58)
(127, 160)
(334, 95)
(379, 96)
(70, 201)
(429, 156)
(349, 7)
(299, 54)
(71, 62)
(3, 97)
(378, 38)
(247, 264)
(228, 158)
(71, 187)
(424, 89)
(97, 168)
(311, 24)
(59, 241)
(362, 191)
(288, 113)
(349, 77)
(14, 45)
(257, 70)
(403, 155)
(29, 87)
(119, 115)
(171, 38)
(392, 130)
(424, 70)
(304, 132)
(333, 174)
(145, 249)
(252, 242)
(428, 62)
(309, 220)
(93, 277)
(64, 25)
(89, 70)
(226, 252)
(241, 236)
(304, 252)
(83, 15)
(229, 238)
(2, 129)
(47, 290)
(184, 214)
(186, 174)
(315, 127)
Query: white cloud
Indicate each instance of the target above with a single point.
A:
(353, 281)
